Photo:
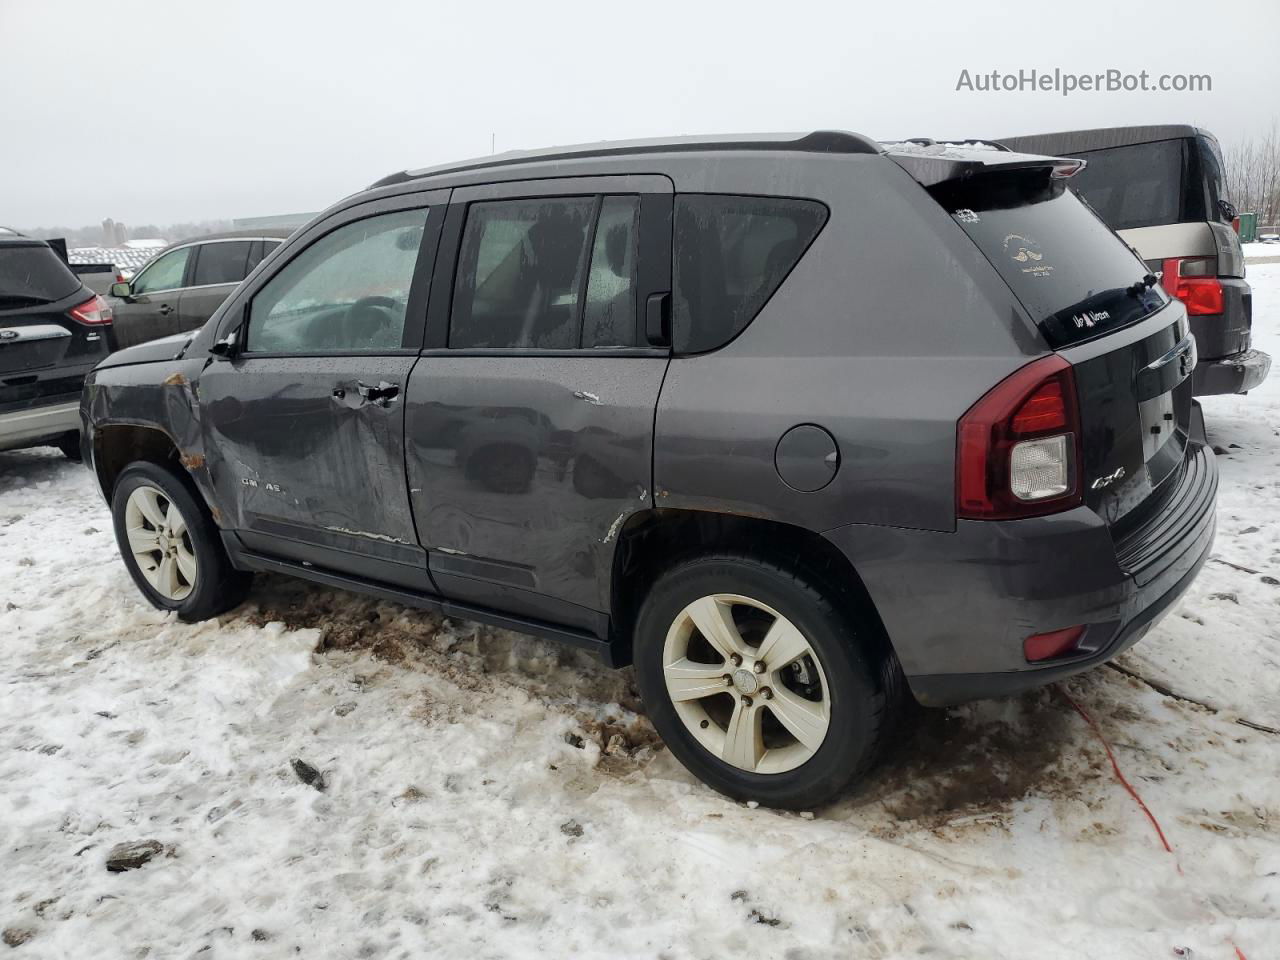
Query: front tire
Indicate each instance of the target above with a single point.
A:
(171, 546)
(757, 682)
(69, 444)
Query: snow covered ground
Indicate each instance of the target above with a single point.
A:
(489, 795)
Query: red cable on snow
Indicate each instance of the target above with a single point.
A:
(1115, 766)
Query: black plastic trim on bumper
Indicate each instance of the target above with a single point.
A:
(1238, 373)
(940, 690)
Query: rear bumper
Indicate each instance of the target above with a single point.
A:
(957, 606)
(23, 428)
(1227, 365)
(1235, 374)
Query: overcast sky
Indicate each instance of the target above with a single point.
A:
(156, 111)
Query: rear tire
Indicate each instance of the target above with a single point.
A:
(171, 546)
(790, 722)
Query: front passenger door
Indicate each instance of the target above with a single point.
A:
(151, 309)
(305, 423)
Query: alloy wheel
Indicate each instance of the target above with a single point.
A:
(746, 683)
(160, 542)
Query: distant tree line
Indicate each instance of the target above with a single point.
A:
(1253, 176)
(95, 236)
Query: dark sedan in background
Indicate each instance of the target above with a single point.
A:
(182, 286)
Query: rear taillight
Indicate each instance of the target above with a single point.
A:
(1018, 448)
(1194, 281)
(94, 312)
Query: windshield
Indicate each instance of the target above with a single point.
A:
(1076, 278)
(32, 274)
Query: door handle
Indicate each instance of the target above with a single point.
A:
(165, 310)
(657, 320)
(382, 394)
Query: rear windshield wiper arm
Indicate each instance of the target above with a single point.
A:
(1143, 285)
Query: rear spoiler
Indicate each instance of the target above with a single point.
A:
(932, 162)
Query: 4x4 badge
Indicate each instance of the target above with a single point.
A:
(1109, 479)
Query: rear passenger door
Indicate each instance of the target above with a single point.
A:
(219, 266)
(529, 419)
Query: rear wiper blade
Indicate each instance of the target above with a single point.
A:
(1143, 285)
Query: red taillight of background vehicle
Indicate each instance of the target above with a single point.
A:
(1018, 448)
(94, 312)
(1193, 280)
(1050, 646)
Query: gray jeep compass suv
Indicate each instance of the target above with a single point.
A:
(794, 425)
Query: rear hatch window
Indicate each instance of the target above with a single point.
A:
(1087, 292)
(32, 274)
(1074, 276)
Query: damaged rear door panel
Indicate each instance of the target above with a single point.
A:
(530, 415)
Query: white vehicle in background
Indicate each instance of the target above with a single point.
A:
(1163, 189)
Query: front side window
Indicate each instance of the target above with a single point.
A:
(222, 262)
(165, 274)
(347, 291)
(731, 254)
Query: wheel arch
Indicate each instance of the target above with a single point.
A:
(652, 541)
(116, 445)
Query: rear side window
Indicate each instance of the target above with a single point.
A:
(731, 254)
(1213, 172)
(520, 274)
(222, 262)
(1074, 276)
(1136, 186)
(609, 315)
(31, 274)
(258, 252)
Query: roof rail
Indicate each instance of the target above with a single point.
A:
(820, 141)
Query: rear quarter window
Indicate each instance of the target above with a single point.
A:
(31, 274)
(731, 255)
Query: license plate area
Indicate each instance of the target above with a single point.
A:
(32, 347)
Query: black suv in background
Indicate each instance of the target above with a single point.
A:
(53, 330)
(1164, 189)
(672, 402)
(179, 289)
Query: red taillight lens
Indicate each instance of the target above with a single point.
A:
(94, 312)
(1017, 449)
(1049, 646)
(1044, 410)
(1191, 281)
